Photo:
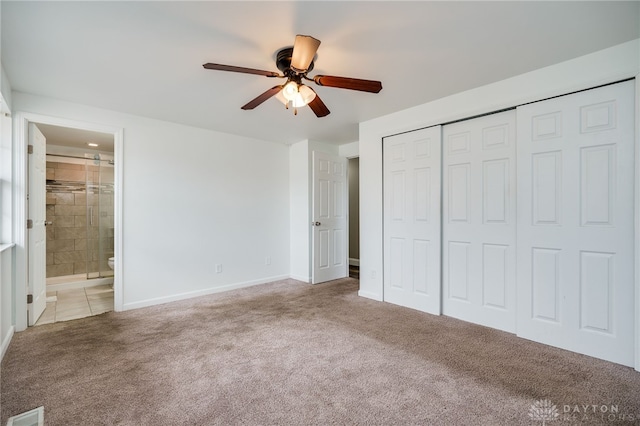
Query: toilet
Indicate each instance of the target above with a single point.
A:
(111, 262)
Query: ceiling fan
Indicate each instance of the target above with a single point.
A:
(294, 63)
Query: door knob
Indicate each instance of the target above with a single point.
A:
(315, 224)
(48, 223)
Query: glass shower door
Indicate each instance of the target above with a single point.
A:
(105, 217)
(100, 216)
(92, 168)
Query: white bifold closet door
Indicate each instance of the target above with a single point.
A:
(575, 229)
(411, 164)
(479, 221)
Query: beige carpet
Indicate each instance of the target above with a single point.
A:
(288, 353)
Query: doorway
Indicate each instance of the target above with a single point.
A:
(26, 289)
(353, 177)
(79, 223)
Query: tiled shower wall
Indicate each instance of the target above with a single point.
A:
(71, 247)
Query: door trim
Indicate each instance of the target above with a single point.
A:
(21, 140)
(636, 213)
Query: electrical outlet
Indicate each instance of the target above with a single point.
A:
(218, 268)
(267, 260)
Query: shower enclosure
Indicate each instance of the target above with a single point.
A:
(80, 218)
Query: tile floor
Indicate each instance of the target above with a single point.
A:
(65, 305)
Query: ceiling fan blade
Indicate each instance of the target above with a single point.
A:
(304, 49)
(371, 86)
(318, 107)
(263, 97)
(244, 70)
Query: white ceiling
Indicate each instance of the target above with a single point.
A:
(145, 58)
(76, 138)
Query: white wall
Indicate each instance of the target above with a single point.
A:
(7, 316)
(349, 150)
(7, 321)
(618, 62)
(5, 87)
(192, 198)
(299, 177)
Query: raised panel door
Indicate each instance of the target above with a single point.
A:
(479, 214)
(329, 218)
(575, 222)
(411, 163)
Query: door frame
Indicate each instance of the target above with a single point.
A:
(349, 195)
(20, 211)
(636, 213)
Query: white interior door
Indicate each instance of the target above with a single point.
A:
(37, 234)
(329, 217)
(575, 222)
(411, 163)
(479, 221)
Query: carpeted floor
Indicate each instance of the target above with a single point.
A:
(289, 353)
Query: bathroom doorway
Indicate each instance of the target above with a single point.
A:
(354, 216)
(80, 195)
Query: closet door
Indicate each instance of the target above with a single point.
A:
(575, 222)
(479, 221)
(411, 173)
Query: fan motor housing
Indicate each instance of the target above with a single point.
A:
(283, 61)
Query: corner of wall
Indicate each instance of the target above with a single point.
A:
(323, 147)
(6, 341)
(349, 150)
(299, 248)
(5, 88)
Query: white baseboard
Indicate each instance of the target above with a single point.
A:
(300, 278)
(6, 341)
(354, 262)
(370, 295)
(198, 293)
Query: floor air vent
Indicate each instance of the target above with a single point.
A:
(34, 417)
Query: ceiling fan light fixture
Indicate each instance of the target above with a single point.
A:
(290, 91)
(296, 95)
(294, 63)
(305, 95)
